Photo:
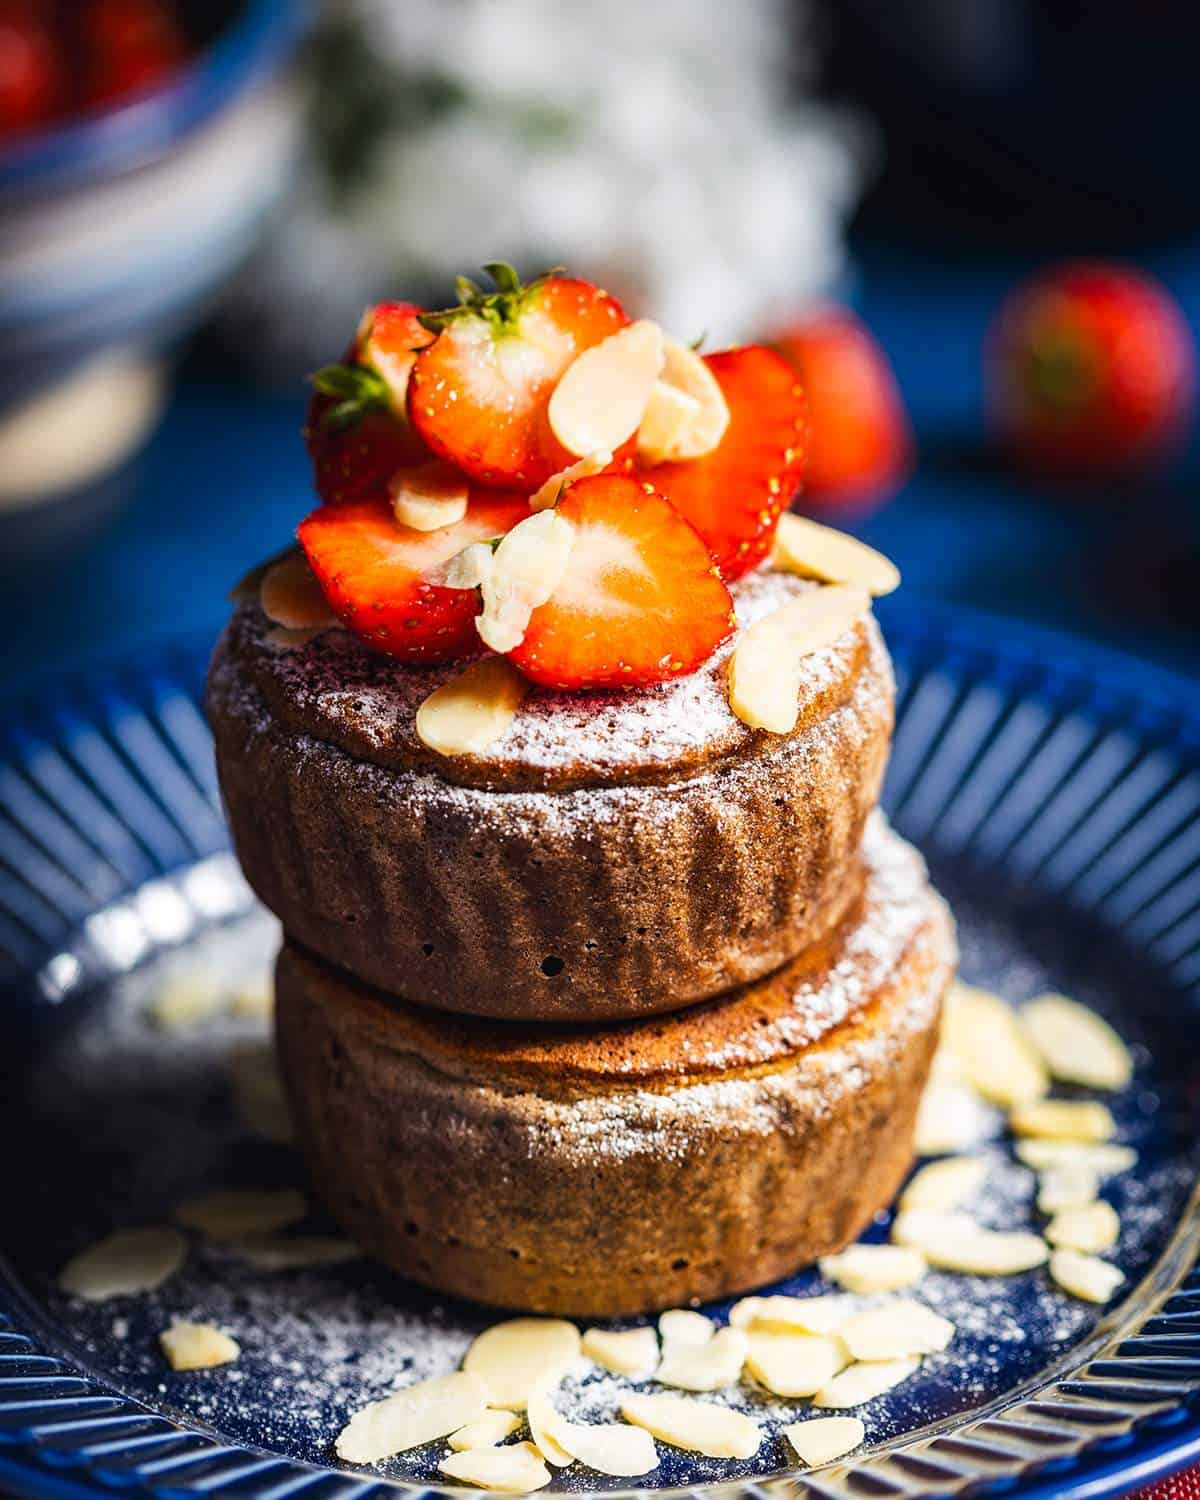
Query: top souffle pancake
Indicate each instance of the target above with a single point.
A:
(613, 854)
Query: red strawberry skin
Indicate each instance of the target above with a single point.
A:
(479, 394)
(370, 569)
(129, 46)
(1091, 369)
(734, 495)
(32, 72)
(860, 446)
(640, 602)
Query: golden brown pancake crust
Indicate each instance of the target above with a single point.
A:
(628, 1168)
(614, 856)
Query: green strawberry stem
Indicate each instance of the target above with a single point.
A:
(356, 390)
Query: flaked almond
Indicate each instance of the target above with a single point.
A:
(687, 414)
(290, 595)
(429, 496)
(766, 667)
(982, 1032)
(822, 1439)
(295, 1252)
(1084, 1120)
(669, 416)
(956, 1242)
(1085, 1276)
(124, 1263)
(527, 567)
(516, 1357)
(186, 1001)
(473, 710)
(632, 1352)
(599, 400)
(609, 1449)
(425, 1411)
(1068, 1186)
(681, 1328)
(466, 569)
(781, 1314)
(945, 1184)
(548, 493)
(282, 640)
(236, 1212)
(896, 1330)
(695, 1426)
(811, 550)
(1092, 1227)
(197, 1346)
(514, 1470)
(545, 1426)
(874, 1268)
(862, 1383)
(794, 1364)
(951, 1117)
(485, 1432)
(1103, 1158)
(1076, 1044)
(706, 1367)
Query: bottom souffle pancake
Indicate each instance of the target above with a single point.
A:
(639, 1165)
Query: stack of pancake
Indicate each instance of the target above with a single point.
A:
(633, 1009)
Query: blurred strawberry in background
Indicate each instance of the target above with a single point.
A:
(126, 46)
(860, 442)
(32, 75)
(1090, 370)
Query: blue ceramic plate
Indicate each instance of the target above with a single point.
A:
(1056, 792)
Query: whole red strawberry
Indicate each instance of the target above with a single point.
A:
(358, 433)
(1091, 369)
(860, 444)
(479, 393)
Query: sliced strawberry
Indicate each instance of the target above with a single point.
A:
(372, 569)
(478, 395)
(734, 495)
(640, 601)
(357, 432)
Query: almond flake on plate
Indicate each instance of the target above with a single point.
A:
(1076, 1044)
(1091, 1228)
(695, 1426)
(766, 666)
(517, 1356)
(706, 1367)
(1068, 1186)
(412, 1417)
(982, 1032)
(806, 547)
(951, 1117)
(603, 392)
(607, 1448)
(197, 1346)
(429, 496)
(124, 1263)
(548, 493)
(473, 710)
(485, 1432)
(527, 567)
(794, 1364)
(234, 1213)
(873, 1268)
(956, 1242)
(294, 1252)
(862, 1383)
(781, 1314)
(897, 1329)
(545, 1426)
(945, 1184)
(1086, 1121)
(685, 1329)
(1104, 1158)
(632, 1352)
(1085, 1276)
(515, 1470)
(822, 1439)
(289, 595)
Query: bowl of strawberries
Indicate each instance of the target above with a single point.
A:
(142, 142)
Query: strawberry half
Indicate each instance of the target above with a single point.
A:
(478, 394)
(357, 432)
(734, 495)
(372, 569)
(640, 601)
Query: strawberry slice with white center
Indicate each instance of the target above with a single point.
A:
(373, 571)
(639, 601)
(479, 394)
(734, 495)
